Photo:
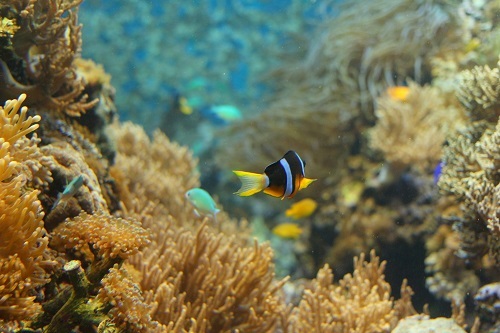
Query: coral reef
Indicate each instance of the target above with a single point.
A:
(24, 253)
(423, 324)
(128, 254)
(37, 59)
(479, 91)
(361, 302)
(129, 312)
(471, 175)
(449, 277)
(205, 282)
(108, 236)
(412, 132)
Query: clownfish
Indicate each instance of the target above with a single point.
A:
(283, 178)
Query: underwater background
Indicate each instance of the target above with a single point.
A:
(135, 138)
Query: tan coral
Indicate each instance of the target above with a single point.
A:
(157, 174)
(93, 73)
(15, 124)
(471, 175)
(412, 132)
(23, 249)
(361, 303)
(109, 236)
(207, 282)
(159, 171)
(479, 92)
(129, 311)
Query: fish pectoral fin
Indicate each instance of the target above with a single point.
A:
(251, 183)
(306, 182)
(275, 191)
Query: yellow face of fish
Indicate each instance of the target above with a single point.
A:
(301, 209)
(287, 230)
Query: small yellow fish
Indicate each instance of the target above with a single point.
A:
(472, 45)
(184, 106)
(398, 93)
(303, 208)
(287, 230)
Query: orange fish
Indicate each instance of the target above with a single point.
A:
(398, 93)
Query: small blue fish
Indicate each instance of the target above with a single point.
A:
(202, 202)
(438, 170)
(69, 191)
(222, 114)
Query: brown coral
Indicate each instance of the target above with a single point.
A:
(448, 276)
(40, 61)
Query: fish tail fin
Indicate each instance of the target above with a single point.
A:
(57, 201)
(306, 182)
(251, 183)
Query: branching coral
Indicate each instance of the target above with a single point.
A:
(412, 132)
(361, 302)
(479, 92)
(23, 240)
(471, 175)
(40, 61)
